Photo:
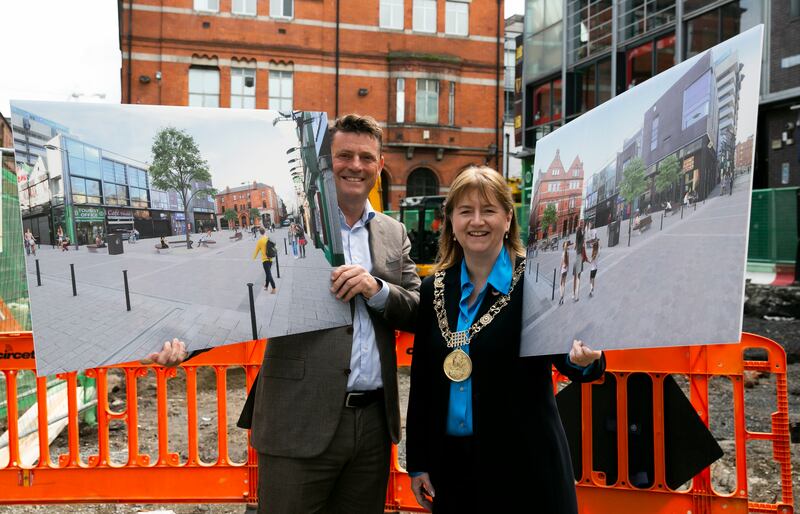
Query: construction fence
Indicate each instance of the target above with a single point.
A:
(205, 459)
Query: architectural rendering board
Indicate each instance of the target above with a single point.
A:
(14, 306)
(653, 175)
(108, 186)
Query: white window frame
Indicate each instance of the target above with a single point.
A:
(400, 107)
(239, 98)
(456, 18)
(424, 16)
(427, 93)
(243, 7)
(201, 87)
(391, 14)
(278, 98)
(206, 5)
(276, 9)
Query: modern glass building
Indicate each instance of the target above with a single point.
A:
(95, 192)
(580, 53)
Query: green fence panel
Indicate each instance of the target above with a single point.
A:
(773, 226)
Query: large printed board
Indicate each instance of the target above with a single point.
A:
(640, 211)
(111, 195)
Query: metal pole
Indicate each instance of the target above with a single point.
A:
(629, 231)
(537, 272)
(662, 221)
(285, 249)
(554, 285)
(72, 272)
(38, 274)
(277, 267)
(127, 293)
(252, 310)
(681, 211)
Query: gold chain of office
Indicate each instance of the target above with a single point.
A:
(462, 338)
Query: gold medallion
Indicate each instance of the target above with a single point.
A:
(457, 365)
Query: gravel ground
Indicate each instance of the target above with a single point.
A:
(763, 478)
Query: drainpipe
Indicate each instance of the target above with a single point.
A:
(336, 87)
(497, 86)
(130, 48)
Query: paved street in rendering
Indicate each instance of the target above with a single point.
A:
(682, 284)
(199, 295)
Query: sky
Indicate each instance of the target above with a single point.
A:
(240, 145)
(69, 50)
(599, 134)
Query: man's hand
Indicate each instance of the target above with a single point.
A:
(170, 356)
(422, 488)
(582, 355)
(349, 280)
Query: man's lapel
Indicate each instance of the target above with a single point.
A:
(377, 247)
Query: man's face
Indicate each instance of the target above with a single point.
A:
(356, 164)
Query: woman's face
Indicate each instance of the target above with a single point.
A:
(479, 226)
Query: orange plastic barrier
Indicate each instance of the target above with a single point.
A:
(698, 364)
(168, 479)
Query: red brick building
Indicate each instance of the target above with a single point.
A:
(250, 196)
(430, 71)
(562, 188)
(744, 155)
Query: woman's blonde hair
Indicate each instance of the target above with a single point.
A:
(491, 186)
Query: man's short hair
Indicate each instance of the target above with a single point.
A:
(262, 230)
(357, 124)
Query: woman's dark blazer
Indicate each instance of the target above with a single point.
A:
(522, 459)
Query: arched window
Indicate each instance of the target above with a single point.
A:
(422, 182)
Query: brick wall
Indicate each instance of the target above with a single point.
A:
(174, 38)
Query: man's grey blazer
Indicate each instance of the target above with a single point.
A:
(294, 408)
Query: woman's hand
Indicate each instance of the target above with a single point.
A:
(581, 355)
(422, 488)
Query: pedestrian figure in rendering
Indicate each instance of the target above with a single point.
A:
(30, 242)
(60, 235)
(295, 240)
(266, 248)
(593, 266)
(64, 244)
(484, 433)
(301, 240)
(163, 243)
(564, 269)
(577, 265)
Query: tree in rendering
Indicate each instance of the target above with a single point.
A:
(178, 166)
(668, 174)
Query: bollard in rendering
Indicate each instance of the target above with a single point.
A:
(252, 310)
(662, 221)
(554, 284)
(38, 274)
(72, 272)
(285, 248)
(127, 293)
(537, 272)
(277, 267)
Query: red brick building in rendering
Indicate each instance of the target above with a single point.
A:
(562, 188)
(242, 199)
(430, 71)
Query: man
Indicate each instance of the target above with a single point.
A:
(326, 403)
(266, 260)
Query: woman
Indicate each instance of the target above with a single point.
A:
(564, 267)
(483, 429)
(593, 266)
